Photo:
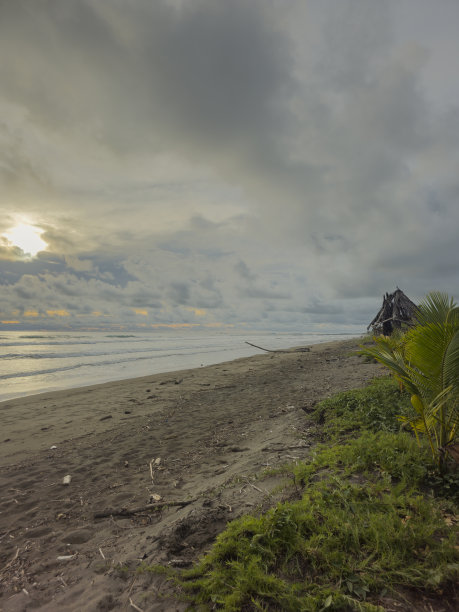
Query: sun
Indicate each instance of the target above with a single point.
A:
(27, 238)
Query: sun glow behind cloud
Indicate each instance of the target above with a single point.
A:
(27, 238)
(273, 189)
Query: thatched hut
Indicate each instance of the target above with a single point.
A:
(396, 311)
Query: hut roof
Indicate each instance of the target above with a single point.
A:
(397, 310)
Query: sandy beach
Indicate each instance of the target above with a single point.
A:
(194, 438)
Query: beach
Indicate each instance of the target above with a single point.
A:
(195, 439)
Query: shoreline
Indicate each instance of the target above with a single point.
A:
(208, 431)
(185, 362)
(37, 411)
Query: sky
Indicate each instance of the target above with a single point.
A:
(263, 164)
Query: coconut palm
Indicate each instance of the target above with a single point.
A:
(425, 361)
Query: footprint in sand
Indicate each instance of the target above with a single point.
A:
(80, 536)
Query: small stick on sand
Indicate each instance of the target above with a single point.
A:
(4, 534)
(62, 580)
(102, 554)
(134, 606)
(132, 585)
(10, 562)
(129, 512)
(154, 462)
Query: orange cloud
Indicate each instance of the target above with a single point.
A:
(9, 322)
(31, 313)
(94, 313)
(174, 325)
(218, 324)
(141, 311)
(58, 313)
(199, 312)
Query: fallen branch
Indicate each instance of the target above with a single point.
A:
(11, 561)
(130, 512)
(134, 606)
(300, 350)
(154, 464)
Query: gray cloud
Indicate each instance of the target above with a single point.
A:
(272, 163)
(243, 271)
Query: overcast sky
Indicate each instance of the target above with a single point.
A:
(276, 164)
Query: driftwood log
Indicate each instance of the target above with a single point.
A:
(299, 350)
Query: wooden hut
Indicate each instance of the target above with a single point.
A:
(396, 311)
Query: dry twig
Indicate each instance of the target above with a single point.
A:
(10, 562)
(134, 606)
(131, 511)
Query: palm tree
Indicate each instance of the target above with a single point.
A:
(425, 360)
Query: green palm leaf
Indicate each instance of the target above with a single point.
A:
(426, 362)
(436, 308)
(451, 364)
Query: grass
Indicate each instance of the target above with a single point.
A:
(366, 526)
(375, 408)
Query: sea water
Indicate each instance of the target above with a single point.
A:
(35, 362)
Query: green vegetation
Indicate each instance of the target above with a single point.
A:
(341, 544)
(425, 361)
(375, 408)
(361, 525)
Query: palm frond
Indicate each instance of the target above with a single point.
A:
(451, 364)
(425, 360)
(437, 307)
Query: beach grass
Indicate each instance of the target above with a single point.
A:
(365, 523)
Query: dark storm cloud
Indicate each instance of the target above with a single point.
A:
(317, 307)
(208, 74)
(262, 293)
(179, 293)
(229, 155)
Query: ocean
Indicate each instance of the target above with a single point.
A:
(36, 362)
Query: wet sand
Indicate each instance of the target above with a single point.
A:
(196, 438)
